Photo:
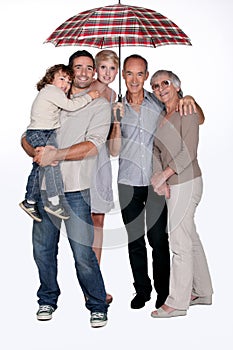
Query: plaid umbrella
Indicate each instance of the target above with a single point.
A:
(118, 25)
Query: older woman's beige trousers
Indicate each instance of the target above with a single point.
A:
(189, 270)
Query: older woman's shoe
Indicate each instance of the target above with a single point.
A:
(160, 313)
(201, 300)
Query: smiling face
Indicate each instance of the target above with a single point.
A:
(106, 71)
(84, 72)
(62, 80)
(135, 75)
(164, 89)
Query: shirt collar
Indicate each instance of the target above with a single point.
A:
(80, 93)
(146, 97)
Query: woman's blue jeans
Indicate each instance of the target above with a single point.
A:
(79, 229)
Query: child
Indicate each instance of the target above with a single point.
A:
(107, 64)
(45, 112)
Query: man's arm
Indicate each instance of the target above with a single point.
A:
(115, 139)
(200, 114)
(31, 152)
(115, 135)
(95, 136)
(78, 151)
(47, 155)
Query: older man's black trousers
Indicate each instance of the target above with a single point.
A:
(143, 210)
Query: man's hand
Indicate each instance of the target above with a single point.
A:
(118, 106)
(46, 156)
(186, 105)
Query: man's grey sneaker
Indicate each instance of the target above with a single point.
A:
(45, 313)
(31, 209)
(98, 319)
(57, 210)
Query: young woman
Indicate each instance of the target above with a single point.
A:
(107, 63)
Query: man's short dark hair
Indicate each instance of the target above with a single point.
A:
(81, 53)
(137, 57)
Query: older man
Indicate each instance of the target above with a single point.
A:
(132, 139)
(80, 134)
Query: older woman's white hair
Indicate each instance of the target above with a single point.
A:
(172, 76)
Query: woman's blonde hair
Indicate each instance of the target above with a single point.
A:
(106, 55)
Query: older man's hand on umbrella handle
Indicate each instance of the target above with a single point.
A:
(46, 156)
(118, 111)
(118, 114)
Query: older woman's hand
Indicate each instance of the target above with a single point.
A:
(157, 180)
(164, 190)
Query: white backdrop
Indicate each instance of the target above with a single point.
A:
(206, 73)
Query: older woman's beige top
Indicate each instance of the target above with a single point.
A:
(175, 145)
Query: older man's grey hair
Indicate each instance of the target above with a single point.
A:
(172, 76)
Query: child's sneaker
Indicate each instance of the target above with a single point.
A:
(31, 209)
(57, 210)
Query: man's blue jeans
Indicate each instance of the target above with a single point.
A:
(80, 235)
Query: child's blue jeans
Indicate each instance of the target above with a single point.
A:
(53, 177)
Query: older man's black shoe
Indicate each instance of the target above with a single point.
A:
(160, 301)
(139, 301)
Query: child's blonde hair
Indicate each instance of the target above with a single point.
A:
(106, 55)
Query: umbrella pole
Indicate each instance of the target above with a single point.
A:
(119, 55)
(119, 73)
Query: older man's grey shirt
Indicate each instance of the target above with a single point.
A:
(138, 131)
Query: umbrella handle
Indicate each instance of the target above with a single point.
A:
(118, 115)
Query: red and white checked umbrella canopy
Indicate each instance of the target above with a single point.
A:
(102, 27)
(118, 25)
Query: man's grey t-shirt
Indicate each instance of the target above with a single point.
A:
(90, 123)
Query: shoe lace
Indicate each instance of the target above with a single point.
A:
(45, 308)
(97, 315)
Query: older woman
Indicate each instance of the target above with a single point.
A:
(178, 177)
